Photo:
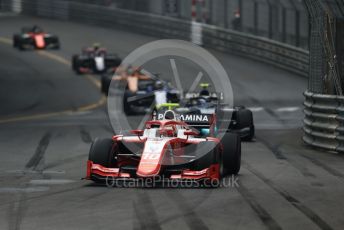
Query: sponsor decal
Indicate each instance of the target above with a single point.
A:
(189, 117)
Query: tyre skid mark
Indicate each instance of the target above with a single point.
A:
(187, 213)
(16, 212)
(18, 208)
(316, 219)
(85, 135)
(145, 212)
(328, 169)
(263, 215)
(73, 189)
(275, 149)
(36, 159)
(63, 161)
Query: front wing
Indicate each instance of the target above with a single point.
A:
(99, 173)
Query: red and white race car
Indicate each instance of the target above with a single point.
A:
(35, 38)
(167, 149)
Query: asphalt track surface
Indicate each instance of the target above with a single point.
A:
(49, 116)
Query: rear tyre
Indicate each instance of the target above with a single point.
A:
(231, 153)
(250, 135)
(245, 120)
(76, 64)
(15, 41)
(126, 105)
(21, 46)
(105, 85)
(101, 152)
(57, 46)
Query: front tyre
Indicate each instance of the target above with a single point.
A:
(101, 152)
(231, 155)
(126, 105)
(15, 41)
(57, 45)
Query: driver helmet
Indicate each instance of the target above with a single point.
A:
(36, 29)
(96, 46)
(158, 85)
(204, 91)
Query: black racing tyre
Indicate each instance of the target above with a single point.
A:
(250, 134)
(231, 155)
(105, 84)
(20, 46)
(57, 45)
(15, 41)
(101, 152)
(74, 62)
(126, 106)
(244, 119)
(205, 160)
(19, 43)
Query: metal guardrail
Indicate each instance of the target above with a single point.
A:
(281, 55)
(324, 121)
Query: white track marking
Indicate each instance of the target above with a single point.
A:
(51, 181)
(26, 190)
(256, 109)
(18, 171)
(287, 109)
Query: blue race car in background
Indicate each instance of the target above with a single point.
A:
(197, 109)
(149, 92)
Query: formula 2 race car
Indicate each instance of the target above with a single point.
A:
(35, 38)
(166, 150)
(150, 90)
(150, 93)
(95, 60)
(206, 103)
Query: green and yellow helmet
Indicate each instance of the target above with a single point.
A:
(96, 45)
(204, 92)
(169, 106)
(204, 85)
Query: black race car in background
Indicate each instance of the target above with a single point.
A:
(149, 91)
(35, 38)
(95, 60)
(197, 109)
(106, 80)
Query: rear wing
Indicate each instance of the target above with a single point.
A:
(194, 120)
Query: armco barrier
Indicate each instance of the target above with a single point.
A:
(275, 53)
(324, 121)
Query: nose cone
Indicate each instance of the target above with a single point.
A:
(39, 39)
(150, 163)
